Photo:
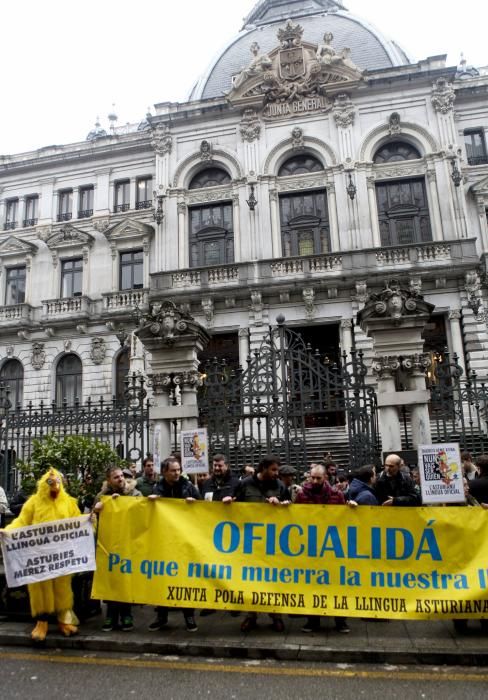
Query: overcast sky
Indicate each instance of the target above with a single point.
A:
(64, 62)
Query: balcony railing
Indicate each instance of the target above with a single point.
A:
(9, 225)
(66, 216)
(335, 267)
(121, 207)
(85, 213)
(14, 313)
(30, 222)
(147, 204)
(126, 300)
(478, 160)
(65, 308)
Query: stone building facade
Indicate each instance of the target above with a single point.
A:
(313, 162)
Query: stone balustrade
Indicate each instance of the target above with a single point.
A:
(125, 300)
(15, 313)
(69, 309)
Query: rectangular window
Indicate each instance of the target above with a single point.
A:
(475, 147)
(85, 203)
(15, 286)
(71, 277)
(31, 208)
(11, 214)
(131, 270)
(122, 195)
(144, 193)
(403, 212)
(65, 205)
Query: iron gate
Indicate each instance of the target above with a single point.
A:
(265, 407)
(459, 406)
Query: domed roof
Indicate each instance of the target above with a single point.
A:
(370, 50)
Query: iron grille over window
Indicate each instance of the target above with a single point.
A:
(403, 212)
(474, 141)
(71, 277)
(122, 195)
(131, 270)
(12, 206)
(144, 193)
(85, 204)
(12, 381)
(304, 223)
(15, 286)
(65, 205)
(31, 206)
(69, 375)
(395, 151)
(211, 235)
(210, 177)
(300, 164)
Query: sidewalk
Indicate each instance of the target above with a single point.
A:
(219, 636)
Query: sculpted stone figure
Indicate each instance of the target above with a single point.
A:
(326, 54)
(259, 64)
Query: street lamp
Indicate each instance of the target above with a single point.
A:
(456, 175)
(158, 213)
(351, 188)
(252, 201)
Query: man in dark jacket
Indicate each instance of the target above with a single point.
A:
(361, 489)
(145, 483)
(318, 491)
(263, 487)
(173, 485)
(222, 485)
(393, 487)
(478, 487)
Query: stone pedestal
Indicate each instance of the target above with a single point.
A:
(395, 320)
(174, 340)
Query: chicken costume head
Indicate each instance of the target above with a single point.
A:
(50, 502)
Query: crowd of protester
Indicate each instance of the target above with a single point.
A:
(323, 483)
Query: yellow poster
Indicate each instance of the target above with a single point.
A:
(408, 563)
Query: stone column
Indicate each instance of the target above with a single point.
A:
(346, 337)
(334, 221)
(183, 260)
(388, 417)
(373, 212)
(236, 216)
(275, 224)
(243, 347)
(454, 317)
(74, 202)
(434, 205)
(174, 340)
(419, 416)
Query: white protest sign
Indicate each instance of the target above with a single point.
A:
(48, 550)
(194, 451)
(441, 476)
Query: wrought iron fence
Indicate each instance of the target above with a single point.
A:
(122, 424)
(459, 406)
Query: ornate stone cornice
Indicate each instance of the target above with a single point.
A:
(443, 96)
(166, 382)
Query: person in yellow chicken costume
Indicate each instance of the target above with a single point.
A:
(55, 596)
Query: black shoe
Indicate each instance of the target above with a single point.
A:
(159, 623)
(278, 625)
(311, 626)
(206, 612)
(249, 623)
(191, 625)
(127, 623)
(108, 625)
(343, 627)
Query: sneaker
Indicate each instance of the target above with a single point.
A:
(159, 623)
(127, 623)
(343, 627)
(249, 623)
(108, 625)
(191, 625)
(278, 624)
(311, 626)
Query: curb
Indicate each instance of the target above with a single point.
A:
(224, 648)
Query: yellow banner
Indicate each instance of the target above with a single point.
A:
(408, 563)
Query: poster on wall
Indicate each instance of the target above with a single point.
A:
(441, 476)
(194, 451)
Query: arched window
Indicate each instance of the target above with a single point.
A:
(300, 164)
(12, 381)
(122, 366)
(68, 380)
(395, 151)
(211, 225)
(210, 177)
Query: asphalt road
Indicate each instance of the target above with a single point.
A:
(57, 675)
